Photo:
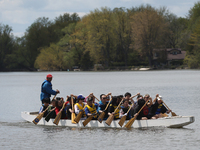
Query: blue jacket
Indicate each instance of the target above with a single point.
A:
(46, 90)
(87, 110)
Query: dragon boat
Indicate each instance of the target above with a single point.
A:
(171, 122)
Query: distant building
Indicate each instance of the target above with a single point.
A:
(169, 56)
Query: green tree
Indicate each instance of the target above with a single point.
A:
(7, 43)
(100, 35)
(148, 30)
(51, 58)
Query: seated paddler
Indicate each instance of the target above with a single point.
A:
(91, 108)
(113, 107)
(102, 105)
(46, 102)
(158, 109)
(124, 109)
(79, 106)
(59, 105)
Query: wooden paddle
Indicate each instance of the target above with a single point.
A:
(58, 116)
(131, 121)
(79, 116)
(88, 120)
(73, 116)
(101, 116)
(96, 98)
(173, 113)
(49, 115)
(39, 117)
(111, 117)
(123, 119)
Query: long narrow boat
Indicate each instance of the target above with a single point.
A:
(173, 122)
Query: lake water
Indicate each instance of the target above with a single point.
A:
(20, 91)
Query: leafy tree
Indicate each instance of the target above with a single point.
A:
(51, 58)
(100, 35)
(122, 31)
(6, 45)
(148, 28)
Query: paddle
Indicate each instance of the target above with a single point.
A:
(111, 117)
(88, 120)
(123, 119)
(58, 116)
(80, 114)
(39, 117)
(101, 116)
(173, 113)
(96, 98)
(49, 115)
(73, 116)
(131, 121)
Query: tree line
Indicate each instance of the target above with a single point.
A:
(118, 37)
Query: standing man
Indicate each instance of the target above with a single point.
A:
(46, 89)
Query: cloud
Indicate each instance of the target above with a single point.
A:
(23, 13)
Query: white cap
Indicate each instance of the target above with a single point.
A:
(160, 97)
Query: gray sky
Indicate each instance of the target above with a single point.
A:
(20, 14)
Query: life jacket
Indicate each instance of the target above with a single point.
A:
(158, 111)
(145, 111)
(81, 108)
(92, 109)
(116, 115)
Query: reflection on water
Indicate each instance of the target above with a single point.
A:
(180, 90)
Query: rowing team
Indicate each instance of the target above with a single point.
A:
(117, 106)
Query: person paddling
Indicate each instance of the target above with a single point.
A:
(113, 105)
(79, 106)
(91, 108)
(46, 89)
(59, 104)
(44, 106)
(124, 108)
(158, 108)
(68, 109)
(102, 105)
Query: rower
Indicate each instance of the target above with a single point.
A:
(79, 106)
(113, 105)
(59, 104)
(44, 106)
(102, 105)
(91, 108)
(68, 108)
(158, 109)
(143, 115)
(124, 108)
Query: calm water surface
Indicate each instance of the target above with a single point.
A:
(20, 91)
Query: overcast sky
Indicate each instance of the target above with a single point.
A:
(20, 14)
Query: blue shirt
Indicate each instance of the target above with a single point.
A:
(46, 90)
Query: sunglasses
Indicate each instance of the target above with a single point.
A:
(104, 98)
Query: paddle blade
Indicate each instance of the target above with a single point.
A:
(101, 116)
(49, 115)
(73, 116)
(57, 119)
(164, 115)
(87, 121)
(110, 119)
(131, 121)
(173, 114)
(122, 120)
(78, 117)
(38, 118)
